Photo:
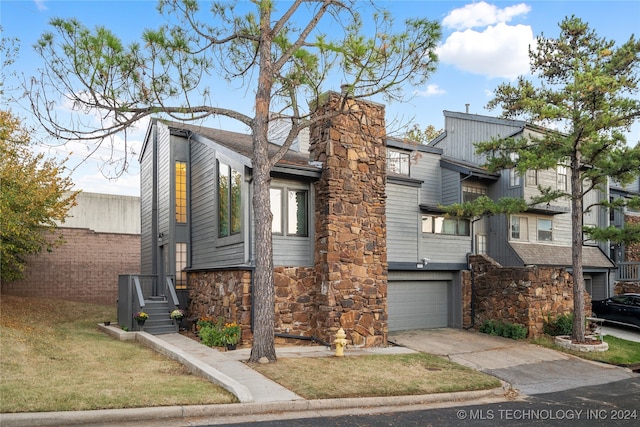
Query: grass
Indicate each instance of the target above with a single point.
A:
(621, 352)
(55, 359)
(378, 375)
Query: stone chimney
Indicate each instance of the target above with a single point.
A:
(351, 231)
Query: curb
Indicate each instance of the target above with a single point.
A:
(26, 419)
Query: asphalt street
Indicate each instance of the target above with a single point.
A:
(613, 404)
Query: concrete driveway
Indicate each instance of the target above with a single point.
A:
(530, 369)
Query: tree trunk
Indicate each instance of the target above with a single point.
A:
(263, 285)
(576, 251)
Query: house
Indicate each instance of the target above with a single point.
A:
(540, 236)
(351, 246)
(627, 257)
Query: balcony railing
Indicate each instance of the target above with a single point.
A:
(628, 271)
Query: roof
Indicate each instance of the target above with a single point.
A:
(554, 255)
(241, 143)
(467, 168)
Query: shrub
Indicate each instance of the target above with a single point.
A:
(560, 325)
(504, 329)
(211, 336)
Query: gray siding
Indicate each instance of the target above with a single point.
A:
(403, 222)
(426, 167)
(444, 249)
(164, 180)
(206, 249)
(450, 187)
(147, 239)
(462, 133)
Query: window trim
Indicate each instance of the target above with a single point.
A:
(181, 264)
(285, 213)
(548, 231)
(523, 228)
(433, 228)
(515, 180)
(400, 157)
(232, 233)
(180, 192)
(562, 177)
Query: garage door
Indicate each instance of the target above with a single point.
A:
(417, 304)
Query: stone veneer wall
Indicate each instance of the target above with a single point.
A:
(523, 295)
(351, 248)
(223, 293)
(626, 288)
(296, 307)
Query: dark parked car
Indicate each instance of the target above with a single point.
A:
(619, 309)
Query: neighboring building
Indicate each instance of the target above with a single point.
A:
(627, 256)
(359, 241)
(540, 236)
(351, 243)
(102, 235)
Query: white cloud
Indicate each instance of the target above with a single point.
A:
(432, 90)
(127, 184)
(498, 51)
(40, 4)
(482, 14)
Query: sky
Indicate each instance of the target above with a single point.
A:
(484, 44)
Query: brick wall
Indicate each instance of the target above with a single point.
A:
(522, 295)
(84, 269)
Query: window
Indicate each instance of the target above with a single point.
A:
(562, 177)
(229, 201)
(440, 225)
(181, 263)
(181, 192)
(545, 230)
(519, 228)
(514, 176)
(481, 244)
(531, 178)
(276, 210)
(469, 193)
(397, 162)
(296, 208)
(297, 213)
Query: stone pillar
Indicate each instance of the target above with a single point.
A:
(351, 232)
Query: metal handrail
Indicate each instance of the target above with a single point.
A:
(138, 291)
(172, 292)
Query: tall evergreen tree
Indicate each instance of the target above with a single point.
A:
(587, 88)
(283, 53)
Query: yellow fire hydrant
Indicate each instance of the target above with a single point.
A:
(340, 342)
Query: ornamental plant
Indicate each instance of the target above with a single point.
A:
(140, 316)
(231, 333)
(177, 314)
